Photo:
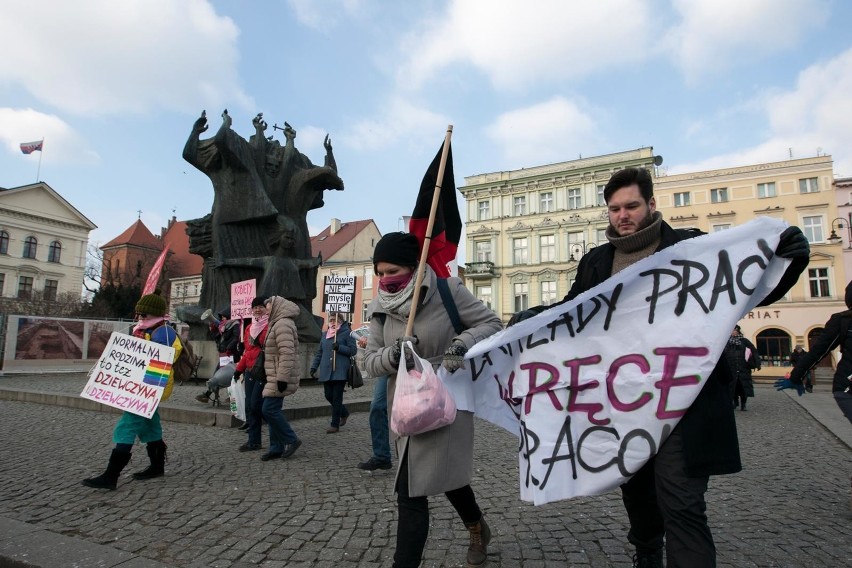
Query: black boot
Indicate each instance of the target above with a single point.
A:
(109, 478)
(157, 454)
(742, 403)
(204, 397)
(645, 559)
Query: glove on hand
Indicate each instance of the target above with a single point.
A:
(396, 349)
(793, 244)
(237, 375)
(334, 346)
(782, 384)
(313, 373)
(454, 356)
(521, 316)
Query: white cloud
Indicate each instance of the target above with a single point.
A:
(552, 131)
(514, 43)
(814, 115)
(323, 15)
(61, 143)
(400, 121)
(97, 57)
(715, 35)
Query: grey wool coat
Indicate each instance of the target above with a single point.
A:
(282, 343)
(440, 460)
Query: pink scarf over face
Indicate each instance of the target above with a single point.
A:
(258, 325)
(147, 323)
(332, 330)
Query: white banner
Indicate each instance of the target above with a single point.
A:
(242, 295)
(130, 375)
(592, 387)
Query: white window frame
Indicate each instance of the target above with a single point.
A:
(809, 185)
(521, 295)
(550, 247)
(548, 292)
(575, 198)
(482, 251)
(819, 282)
(485, 295)
(766, 190)
(681, 199)
(719, 195)
(520, 250)
(368, 278)
(600, 195)
(545, 202)
(519, 205)
(720, 227)
(484, 209)
(812, 227)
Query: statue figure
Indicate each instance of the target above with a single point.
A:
(258, 224)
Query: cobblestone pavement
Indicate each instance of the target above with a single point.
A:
(216, 507)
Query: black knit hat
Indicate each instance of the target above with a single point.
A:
(152, 305)
(259, 301)
(399, 248)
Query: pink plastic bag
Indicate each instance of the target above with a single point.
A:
(421, 402)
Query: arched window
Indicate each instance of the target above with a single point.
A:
(54, 252)
(4, 242)
(775, 346)
(30, 244)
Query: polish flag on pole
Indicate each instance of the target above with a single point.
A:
(30, 147)
(154, 275)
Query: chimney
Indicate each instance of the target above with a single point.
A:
(335, 226)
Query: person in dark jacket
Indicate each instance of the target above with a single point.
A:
(834, 334)
(332, 360)
(742, 357)
(665, 498)
(798, 353)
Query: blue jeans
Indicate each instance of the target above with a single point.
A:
(280, 432)
(334, 395)
(379, 420)
(254, 407)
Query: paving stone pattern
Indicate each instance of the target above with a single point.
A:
(217, 507)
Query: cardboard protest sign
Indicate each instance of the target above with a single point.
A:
(242, 295)
(338, 294)
(594, 386)
(130, 375)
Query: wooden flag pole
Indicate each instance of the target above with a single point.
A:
(424, 254)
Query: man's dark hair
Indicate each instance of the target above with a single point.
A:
(629, 176)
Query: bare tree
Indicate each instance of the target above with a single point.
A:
(66, 304)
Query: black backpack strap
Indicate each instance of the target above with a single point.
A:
(450, 305)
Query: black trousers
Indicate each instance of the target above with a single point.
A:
(661, 500)
(412, 527)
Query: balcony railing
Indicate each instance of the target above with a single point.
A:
(479, 269)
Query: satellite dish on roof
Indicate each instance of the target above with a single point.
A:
(658, 160)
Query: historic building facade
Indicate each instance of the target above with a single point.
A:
(526, 230)
(43, 243)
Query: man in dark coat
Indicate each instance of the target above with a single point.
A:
(666, 496)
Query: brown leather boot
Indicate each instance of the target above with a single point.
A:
(480, 536)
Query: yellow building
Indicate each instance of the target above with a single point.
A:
(526, 230)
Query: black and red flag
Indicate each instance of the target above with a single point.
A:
(447, 227)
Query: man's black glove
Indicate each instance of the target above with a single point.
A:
(313, 373)
(334, 346)
(793, 244)
(282, 385)
(521, 316)
(237, 375)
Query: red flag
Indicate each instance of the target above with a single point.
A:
(30, 147)
(446, 230)
(154, 275)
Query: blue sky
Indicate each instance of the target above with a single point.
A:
(114, 88)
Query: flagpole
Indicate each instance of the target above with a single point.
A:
(424, 254)
(40, 154)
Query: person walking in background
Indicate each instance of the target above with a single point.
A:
(282, 377)
(664, 500)
(254, 338)
(379, 430)
(808, 379)
(226, 334)
(152, 326)
(441, 460)
(742, 357)
(332, 361)
(835, 334)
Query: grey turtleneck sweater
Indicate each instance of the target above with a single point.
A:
(635, 247)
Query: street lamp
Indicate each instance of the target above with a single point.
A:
(840, 223)
(579, 247)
